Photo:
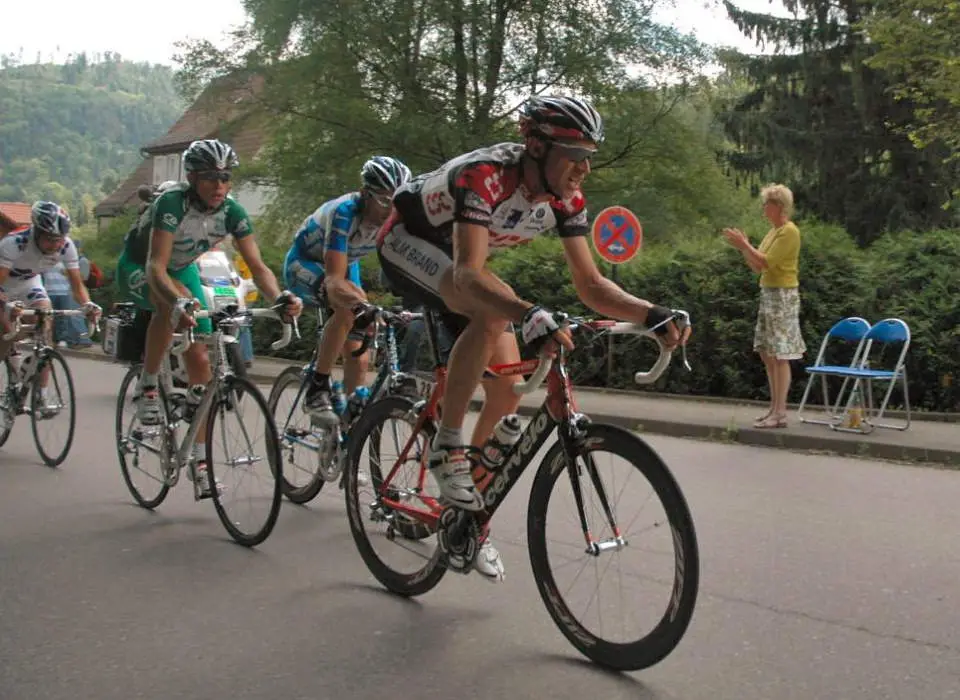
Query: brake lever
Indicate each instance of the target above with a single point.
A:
(278, 309)
(683, 322)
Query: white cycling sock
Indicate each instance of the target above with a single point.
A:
(148, 380)
(448, 437)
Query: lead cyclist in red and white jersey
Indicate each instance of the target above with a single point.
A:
(436, 244)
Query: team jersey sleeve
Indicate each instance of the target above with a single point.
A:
(476, 191)
(571, 216)
(68, 255)
(10, 248)
(237, 220)
(341, 224)
(168, 211)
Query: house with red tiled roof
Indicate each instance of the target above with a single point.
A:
(13, 215)
(228, 110)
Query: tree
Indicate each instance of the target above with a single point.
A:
(427, 79)
(917, 44)
(821, 119)
(79, 123)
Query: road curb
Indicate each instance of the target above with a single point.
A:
(766, 438)
(868, 448)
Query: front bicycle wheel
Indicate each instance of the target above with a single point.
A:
(397, 546)
(621, 585)
(143, 450)
(244, 468)
(53, 414)
(301, 444)
(8, 401)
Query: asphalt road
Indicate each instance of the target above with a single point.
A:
(821, 578)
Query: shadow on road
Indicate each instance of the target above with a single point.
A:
(637, 688)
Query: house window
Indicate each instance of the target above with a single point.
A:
(166, 167)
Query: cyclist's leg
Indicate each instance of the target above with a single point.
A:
(499, 396)
(132, 286)
(354, 368)
(32, 294)
(196, 361)
(305, 279)
(416, 268)
(447, 460)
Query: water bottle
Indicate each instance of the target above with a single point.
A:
(505, 435)
(27, 367)
(193, 399)
(337, 398)
(357, 401)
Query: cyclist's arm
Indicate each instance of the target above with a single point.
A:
(79, 289)
(596, 291)
(262, 275)
(4, 274)
(472, 279)
(158, 258)
(341, 292)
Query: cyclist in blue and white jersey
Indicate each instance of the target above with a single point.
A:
(323, 268)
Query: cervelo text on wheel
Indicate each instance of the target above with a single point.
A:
(617, 234)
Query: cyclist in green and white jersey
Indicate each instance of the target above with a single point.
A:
(158, 272)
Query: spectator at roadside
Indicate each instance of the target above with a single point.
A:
(777, 336)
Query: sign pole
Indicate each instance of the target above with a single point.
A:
(615, 278)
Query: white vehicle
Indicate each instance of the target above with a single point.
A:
(222, 284)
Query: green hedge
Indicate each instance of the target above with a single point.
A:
(909, 275)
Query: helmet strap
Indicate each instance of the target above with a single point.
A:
(542, 169)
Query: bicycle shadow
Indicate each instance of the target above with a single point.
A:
(622, 679)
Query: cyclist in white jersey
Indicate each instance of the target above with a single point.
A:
(29, 252)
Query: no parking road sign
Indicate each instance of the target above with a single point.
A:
(617, 234)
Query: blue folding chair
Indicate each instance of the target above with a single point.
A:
(883, 335)
(852, 330)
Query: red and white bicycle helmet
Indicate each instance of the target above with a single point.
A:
(561, 119)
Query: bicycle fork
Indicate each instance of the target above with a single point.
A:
(578, 460)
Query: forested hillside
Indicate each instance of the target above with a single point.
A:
(70, 132)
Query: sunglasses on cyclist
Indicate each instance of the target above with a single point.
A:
(48, 237)
(221, 175)
(384, 200)
(576, 154)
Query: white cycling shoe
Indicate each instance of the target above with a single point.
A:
(489, 564)
(452, 471)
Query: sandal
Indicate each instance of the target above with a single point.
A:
(772, 421)
(762, 418)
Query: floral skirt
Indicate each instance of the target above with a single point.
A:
(778, 324)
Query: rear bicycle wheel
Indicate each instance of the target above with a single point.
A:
(143, 450)
(650, 601)
(300, 443)
(244, 469)
(398, 548)
(8, 401)
(53, 409)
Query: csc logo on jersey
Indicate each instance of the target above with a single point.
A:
(437, 202)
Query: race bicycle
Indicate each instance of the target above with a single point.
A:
(41, 386)
(314, 453)
(233, 409)
(576, 531)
